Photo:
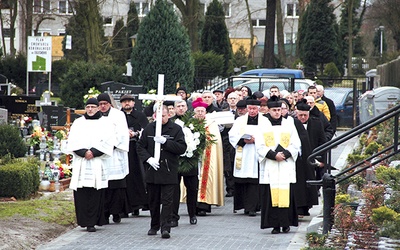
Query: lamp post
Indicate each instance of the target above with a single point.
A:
(381, 28)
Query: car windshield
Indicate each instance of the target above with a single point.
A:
(336, 95)
(282, 85)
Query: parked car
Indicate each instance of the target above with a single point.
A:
(283, 84)
(344, 100)
(276, 73)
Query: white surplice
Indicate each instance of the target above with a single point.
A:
(86, 134)
(246, 157)
(118, 165)
(279, 174)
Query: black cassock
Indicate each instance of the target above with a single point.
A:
(305, 196)
(136, 189)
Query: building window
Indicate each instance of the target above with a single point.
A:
(259, 22)
(227, 9)
(292, 10)
(142, 8)
(290, 38)
(41, 6)
(6, 32)
(66, 7)
(107, 21)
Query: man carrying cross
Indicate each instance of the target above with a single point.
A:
(159, 148)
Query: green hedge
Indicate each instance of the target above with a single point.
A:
(11, 141)
(19, 178)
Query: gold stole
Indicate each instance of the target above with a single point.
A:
(280, 197)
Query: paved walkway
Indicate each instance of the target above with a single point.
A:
(222, 229)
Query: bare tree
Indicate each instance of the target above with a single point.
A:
(268, 61)
(387, 13)
(279, 32)
(190, 11)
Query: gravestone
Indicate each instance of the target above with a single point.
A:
(117, 90)
(55, 116)
(18, 106)
(3, 116)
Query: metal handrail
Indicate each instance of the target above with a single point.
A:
(328, 181)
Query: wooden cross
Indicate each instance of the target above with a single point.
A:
(159, 98)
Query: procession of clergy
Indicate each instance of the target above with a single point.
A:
(122, 163)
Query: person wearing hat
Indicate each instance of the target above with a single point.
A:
(116, 194)
(220, 101)
(211, 184)
(161, 174)
(241, 108)
(242, 136)
(136, 190)
(306, 196)
(278, 150)
(89, 143)
(263, 105)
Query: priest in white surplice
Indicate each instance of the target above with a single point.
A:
(243, 136)
(278, 153)
(116, 193)
(91, 142)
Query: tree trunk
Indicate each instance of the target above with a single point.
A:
(279, 32)
(350, 37)
(3, 40)
(269, 39)
(190, 19)
(301, 7)
(251, 52)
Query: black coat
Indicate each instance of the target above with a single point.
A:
(316, 134)
(170, 152)
(332, 111)
(136, 189)
(329, 132)
(306, 196)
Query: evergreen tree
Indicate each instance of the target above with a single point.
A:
(86, 29)
(319, 39)
(119, 44)
(132, 26)
(81, 76)
(215, 35)
(162, 47)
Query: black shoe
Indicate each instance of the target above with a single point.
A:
(165, 235)
(136, 212)
(202, 213)
(286, 229)
(276, 230)
(124, 215)
(152, 232)
(193, 220)
(174, 223)
(91, 229)
(252, 213)
(116, 218)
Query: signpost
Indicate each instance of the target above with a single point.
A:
(39, 57)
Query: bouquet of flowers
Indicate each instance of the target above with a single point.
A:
(92, 93)
(36, 136)
(196, 140)
(148, 102)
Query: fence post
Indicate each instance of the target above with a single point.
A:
(329, 192)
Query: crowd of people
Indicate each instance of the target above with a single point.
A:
(258, 157)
